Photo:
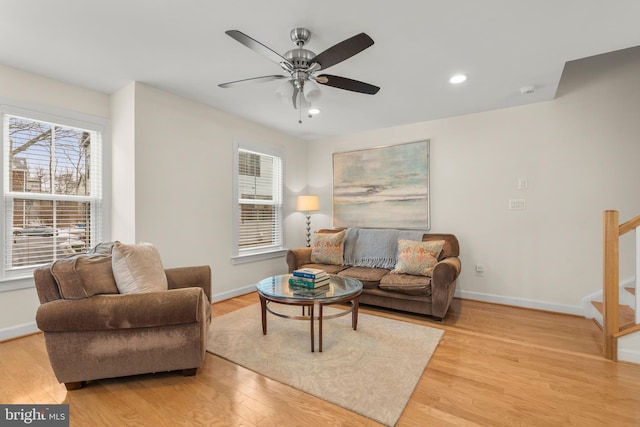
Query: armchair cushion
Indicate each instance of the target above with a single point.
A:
(84, 276)
(138, 268)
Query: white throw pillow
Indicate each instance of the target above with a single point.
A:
(138, 268)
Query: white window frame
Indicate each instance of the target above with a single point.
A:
(20, 278)
(277, 250)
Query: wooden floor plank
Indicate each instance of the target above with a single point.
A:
(495, 366)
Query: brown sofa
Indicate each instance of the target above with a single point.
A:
(110, 335)
(415, 294)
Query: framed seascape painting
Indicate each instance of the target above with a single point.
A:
(383, 187)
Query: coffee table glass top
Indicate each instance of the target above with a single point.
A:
(277, 287)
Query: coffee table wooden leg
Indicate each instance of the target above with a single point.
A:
(320, 328)
(354, 313)
(311, 321)
(263, 308)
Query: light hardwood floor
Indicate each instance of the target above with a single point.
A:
(495, 366)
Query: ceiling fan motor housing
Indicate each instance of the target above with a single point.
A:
(300, 58)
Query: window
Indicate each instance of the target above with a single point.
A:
(257, 201)
(52, 190)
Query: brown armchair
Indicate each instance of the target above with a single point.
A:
(91, 331)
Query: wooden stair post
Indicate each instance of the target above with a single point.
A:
(611, 279)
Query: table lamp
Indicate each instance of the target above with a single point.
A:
(308, 204)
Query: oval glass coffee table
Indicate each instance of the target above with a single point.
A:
(340, 290)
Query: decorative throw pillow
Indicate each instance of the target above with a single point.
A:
(84, 276)
(138, 268)
(96, 274)
(328, 248)
(417, 258)
(103, 248)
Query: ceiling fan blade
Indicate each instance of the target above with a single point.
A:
(347, 84)
(252, 80)
(343, 50)
(256, 46)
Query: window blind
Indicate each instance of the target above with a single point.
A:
(52, 191)
(259, 182)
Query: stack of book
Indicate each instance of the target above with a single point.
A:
(310, 278)
(300, 291)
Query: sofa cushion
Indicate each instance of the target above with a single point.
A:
(369, 276)
(329, 268)
(138, 268)
(406, 284)
(328, 248)
(417, 258)
(84, 276)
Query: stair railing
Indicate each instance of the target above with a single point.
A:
(611, 280)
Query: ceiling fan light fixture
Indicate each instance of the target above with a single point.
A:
(311, 91)
(313, 111)
(457, 79)
(284, 92)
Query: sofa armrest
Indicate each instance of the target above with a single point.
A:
(443, 285)
(189, 277)
(297, 257)
(123, 311)
(446, 271)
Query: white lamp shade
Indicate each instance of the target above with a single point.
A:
(308, 203)
(311, 91)
(285, 92)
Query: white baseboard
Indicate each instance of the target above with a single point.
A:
(521, 302)
(18, 331)
(628, 355)
(234, 293)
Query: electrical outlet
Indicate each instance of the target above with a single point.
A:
(517, 204)
(523, 183)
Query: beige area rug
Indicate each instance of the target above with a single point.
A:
(372, 371)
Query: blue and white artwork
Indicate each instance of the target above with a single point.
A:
(384, 187)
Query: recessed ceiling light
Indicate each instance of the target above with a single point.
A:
(458, 78)
(314, 111)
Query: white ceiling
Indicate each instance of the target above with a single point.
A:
(180, 46)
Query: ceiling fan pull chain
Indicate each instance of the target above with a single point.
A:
(300, 105)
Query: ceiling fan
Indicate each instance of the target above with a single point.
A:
(302, 66)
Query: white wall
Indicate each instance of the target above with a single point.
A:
(580, 155)
(123, 131)
(183, 191)
(25, 90)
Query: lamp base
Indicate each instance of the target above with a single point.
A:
(308, 230)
